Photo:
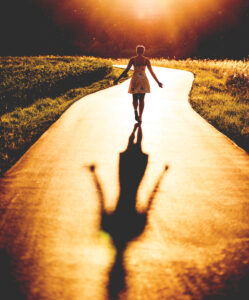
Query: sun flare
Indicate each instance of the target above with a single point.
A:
(170, 27)
(148, 8)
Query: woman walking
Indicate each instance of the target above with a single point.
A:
(139, 84)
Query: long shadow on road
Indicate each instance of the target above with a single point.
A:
(125, 223)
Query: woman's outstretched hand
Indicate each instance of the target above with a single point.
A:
(160, 84)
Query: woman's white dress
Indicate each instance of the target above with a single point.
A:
(139, 83)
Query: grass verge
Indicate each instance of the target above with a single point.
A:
(27, 120)
(26, 79)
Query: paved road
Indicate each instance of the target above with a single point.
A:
(99, 208)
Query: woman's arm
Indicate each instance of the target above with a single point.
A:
(148, 64)
(125, 71)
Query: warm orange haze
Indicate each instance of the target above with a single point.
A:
(124, 150)
(166, 27)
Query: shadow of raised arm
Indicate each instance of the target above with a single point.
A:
(155, 189)
(99, 189)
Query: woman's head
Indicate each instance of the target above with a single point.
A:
(140, 49)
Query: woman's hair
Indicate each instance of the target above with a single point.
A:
(140, 49)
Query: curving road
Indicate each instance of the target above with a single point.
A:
(101, 209)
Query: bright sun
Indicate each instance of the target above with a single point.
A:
(155, 8)
(148, 8)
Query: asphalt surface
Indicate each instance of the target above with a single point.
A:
(100, 208)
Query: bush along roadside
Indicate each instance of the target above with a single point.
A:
(25, 79)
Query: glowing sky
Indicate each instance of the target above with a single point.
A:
(154, 22)
(99, 27)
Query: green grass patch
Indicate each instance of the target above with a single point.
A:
(220, 93)
(23, 80)
(221, 106)
(24, 120)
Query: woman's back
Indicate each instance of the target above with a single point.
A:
(140, 63)
(140, 60)
(139, 83)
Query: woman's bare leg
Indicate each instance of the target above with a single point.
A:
(141, 106)
(135, 105)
